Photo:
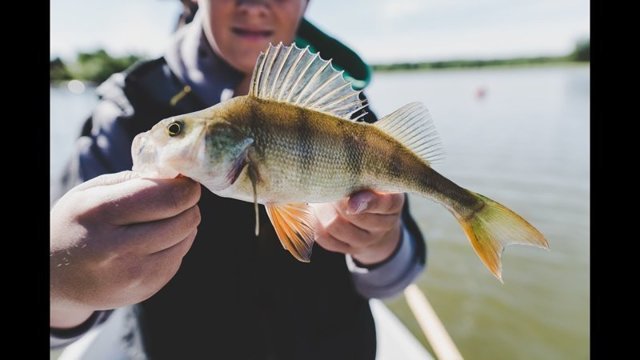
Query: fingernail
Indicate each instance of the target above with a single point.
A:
(358, 203)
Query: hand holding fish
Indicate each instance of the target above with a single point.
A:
(116, 240)
(365, 225)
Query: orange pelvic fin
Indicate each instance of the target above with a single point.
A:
(293, 225)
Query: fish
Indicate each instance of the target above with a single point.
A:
(295, 140)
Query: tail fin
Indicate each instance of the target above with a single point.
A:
(493, 227)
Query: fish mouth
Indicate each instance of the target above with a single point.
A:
(143, 154)
(147, 159)
(251, 34)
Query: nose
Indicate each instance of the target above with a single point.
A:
(138, 144)
(253, 5)
(142, 152)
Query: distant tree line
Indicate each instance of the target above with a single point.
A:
(93, 67)
(97, 66)
(579, 54)
(581, 51)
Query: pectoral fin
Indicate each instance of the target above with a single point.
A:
(240, 161)
(293, 225)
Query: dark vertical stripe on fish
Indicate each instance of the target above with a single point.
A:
(354, 143)
(394, 163)
(304, 145)
(255, 114)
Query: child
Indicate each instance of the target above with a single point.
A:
(232, 295)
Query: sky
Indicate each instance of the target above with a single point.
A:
(379, 30)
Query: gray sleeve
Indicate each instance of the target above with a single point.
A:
(104, 145)
(393, 275)
(63, 337)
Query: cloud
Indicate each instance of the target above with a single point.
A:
(118, 26)
(401, 8)
(391, 30)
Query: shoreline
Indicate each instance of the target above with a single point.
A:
(463, 65)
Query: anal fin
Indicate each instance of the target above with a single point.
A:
(293, 225)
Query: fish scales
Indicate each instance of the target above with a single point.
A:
(305, 154)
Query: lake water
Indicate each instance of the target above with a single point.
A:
(517, 135)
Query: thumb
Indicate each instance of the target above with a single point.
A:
(108, 179)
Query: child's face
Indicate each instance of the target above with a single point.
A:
(238, 30)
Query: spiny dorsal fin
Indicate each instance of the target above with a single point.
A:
(298, 77)
(413, 127)
(293, 225)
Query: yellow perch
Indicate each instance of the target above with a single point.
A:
(291, 142)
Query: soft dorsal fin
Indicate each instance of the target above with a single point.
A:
(296, 76)
(413, 127)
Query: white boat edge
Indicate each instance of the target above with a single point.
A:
(394, 340)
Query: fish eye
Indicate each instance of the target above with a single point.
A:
(175, 128)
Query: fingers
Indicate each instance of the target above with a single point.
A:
(167, 262)
(372, 211)
(330, 243)
(107, 179)
(333, 221)
(336, 233)
(374, 222)
(139, 200)
(370, 202)
(114, 265)
(178, 250)
(160, 235)
(360, 223)
(140, 277)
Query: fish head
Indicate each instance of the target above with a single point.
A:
(204, 146)
(170, 147)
